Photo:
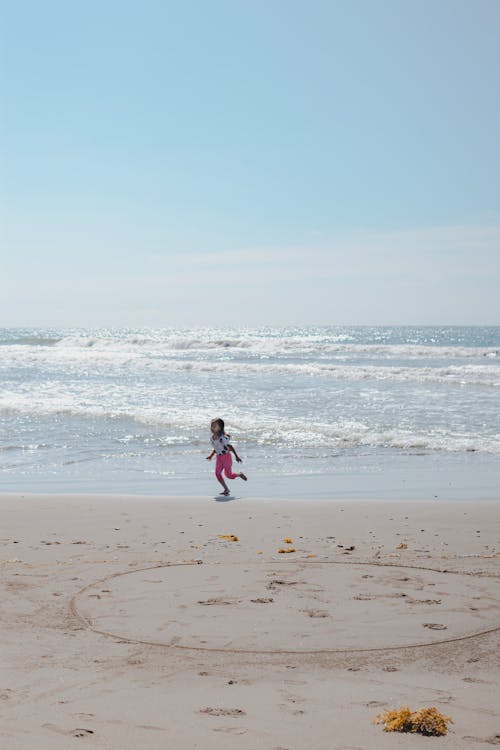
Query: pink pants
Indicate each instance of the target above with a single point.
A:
(224, 463)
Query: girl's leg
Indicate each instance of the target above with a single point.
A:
(228, 467)
(219, 465)
(227, 463)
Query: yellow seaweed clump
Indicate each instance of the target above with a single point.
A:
(431, 722)
(397, 720)
(284, 550)
(427, 721)
(229, 537)
(287, 540)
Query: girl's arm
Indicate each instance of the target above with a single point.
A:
(235, 454)
(209, 458)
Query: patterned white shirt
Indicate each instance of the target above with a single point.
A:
(220, 444)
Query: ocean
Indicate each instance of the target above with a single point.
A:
(327, 411)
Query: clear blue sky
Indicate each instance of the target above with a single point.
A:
(305, 162)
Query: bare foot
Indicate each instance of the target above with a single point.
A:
(243, 476)
(226, 492)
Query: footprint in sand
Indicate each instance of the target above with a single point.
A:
(316, 612)
(81, 732)
(230, 730)
(434, 626)
(222, 711)
(277, 582)
(78, 732)
(493, 740)
(292, 711)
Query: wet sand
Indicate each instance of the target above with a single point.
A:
(129, 622)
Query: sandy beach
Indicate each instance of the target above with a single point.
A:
(129, 622)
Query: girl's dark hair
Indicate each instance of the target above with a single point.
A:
(220, 422)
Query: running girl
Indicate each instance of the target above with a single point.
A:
(223, 449)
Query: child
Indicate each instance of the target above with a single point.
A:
(223, 448)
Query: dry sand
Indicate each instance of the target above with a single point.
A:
(127, 623)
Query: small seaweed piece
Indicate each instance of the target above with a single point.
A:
(229, 537)
(427, 721)
(285, 550)
(287, 540)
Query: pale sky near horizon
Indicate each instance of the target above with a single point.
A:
(250, 163)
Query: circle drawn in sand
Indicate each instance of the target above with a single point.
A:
(289, 607)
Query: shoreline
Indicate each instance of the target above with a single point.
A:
(407, 478)
(237, 498)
